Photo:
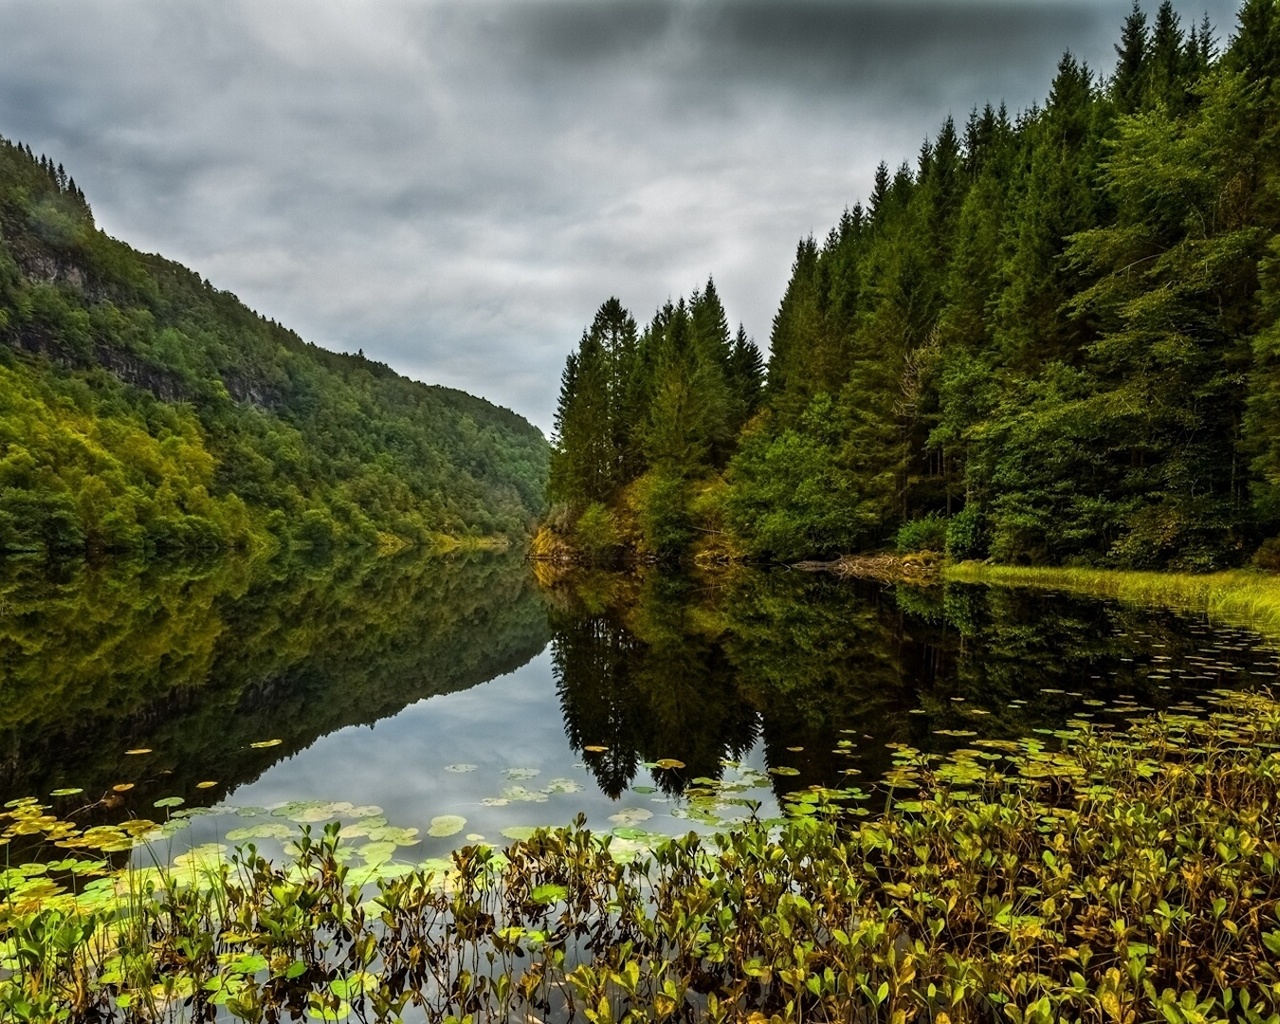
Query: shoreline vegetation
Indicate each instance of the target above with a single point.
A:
(1082, 875)
(1246, 597)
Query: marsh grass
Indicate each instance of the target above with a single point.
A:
(1240, 597)
(1077, 876)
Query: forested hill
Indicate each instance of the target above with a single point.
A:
(142, 409)
(1049, 338)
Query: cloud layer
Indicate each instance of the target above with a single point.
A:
(455, 186)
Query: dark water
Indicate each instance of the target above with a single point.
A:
(432, 687)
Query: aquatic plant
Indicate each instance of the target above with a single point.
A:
(1076, 875)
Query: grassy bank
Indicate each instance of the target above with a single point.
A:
(1242, 597)
(1129, 877)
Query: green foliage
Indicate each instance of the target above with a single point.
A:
(143, 410)
(662, 508)
(596, 532)
(929, 533)
(965, 537)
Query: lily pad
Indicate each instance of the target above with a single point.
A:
(263, 744)
(68, 791)
(521, 773)
(138, 750)
(669, 762)
(519, 833)
(207, 784)
(446, 825)
(631, 815)
(169, 801)
(265, 830)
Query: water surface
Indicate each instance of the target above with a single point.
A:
(430, 687)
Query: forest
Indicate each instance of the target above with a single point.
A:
(1050, 338)
(143, 410)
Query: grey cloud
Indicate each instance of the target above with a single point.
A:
(456, 186)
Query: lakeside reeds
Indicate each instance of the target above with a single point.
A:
(1241, 597)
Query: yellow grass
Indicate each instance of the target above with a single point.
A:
(1241, 596)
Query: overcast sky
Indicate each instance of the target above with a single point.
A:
(456, 186)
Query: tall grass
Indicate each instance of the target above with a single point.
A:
(1241, 597)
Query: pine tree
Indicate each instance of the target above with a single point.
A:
(1128, 84)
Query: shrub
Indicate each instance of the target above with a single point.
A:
(966, 534)
(596, 533)
(926, 534)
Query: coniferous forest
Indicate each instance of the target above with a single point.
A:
(142, 410)
(1050, 337)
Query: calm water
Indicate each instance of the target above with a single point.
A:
(459, 687)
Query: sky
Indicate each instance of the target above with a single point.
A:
(455, 186)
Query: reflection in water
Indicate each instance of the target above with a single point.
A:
(829, 672)
(809, 675)
(197, 663)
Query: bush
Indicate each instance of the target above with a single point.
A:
(926, 534)
(966, 534)
(662, 508)
(596, 533)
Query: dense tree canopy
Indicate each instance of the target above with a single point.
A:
(1058, 335)
(143, 409)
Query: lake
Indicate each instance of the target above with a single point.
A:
(460, 696)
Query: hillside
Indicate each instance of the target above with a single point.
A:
(144, 410)
(1049, 338)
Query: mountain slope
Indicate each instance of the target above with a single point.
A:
(142, 409)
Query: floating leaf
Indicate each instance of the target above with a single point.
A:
(207, 784)
(521, 773)
(460, 768)
(475, 837)
(630, 815)
(393, 834)
(138, 750)
(562, 786)
(595, 748)
(69, 791)
(669, 762)
(521, 794)
(169, 801)
(122, 787)
(377, 853)
(263, 744)
(446, 825)
(265, 830)
(519, 833)
(784, 770)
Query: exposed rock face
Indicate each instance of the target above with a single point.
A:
(50, 268)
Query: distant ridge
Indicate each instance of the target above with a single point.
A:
(143, 410)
